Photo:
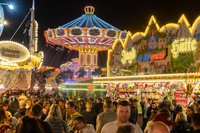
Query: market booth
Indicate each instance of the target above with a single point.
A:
(157, 62)
(16, 65)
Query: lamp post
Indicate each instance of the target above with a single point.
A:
(2, 19)
(33, 31)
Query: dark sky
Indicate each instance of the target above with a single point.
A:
(130, 15)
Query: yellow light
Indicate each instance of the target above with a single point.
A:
(128, 57)
(183, 45)
(169, 25)
(146, 78)
(19, 45)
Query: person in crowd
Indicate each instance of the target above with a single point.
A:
(55, 120)
(22, 109)
(80, 126)
(153, 107)
(36, 113)
(150, 101)
(126, 128)
(176, 109)
(12, 121)
(145, 118)
(99, 105)
(29, 103)
(114, 106)
(106, 116)
(5, 106)
(123, 115)
(71, 110)
(78, 105)
(61, 104)
(153, 114)
(198, 106)
(29, 125)
(4, 124)
(71, 113)
(158, 127)
(45, 110)
(165, 104)
(143, 99)
(164, 116)
(196, 122)
(14, 105)
(192, 101)
(181, 125)
(190, 111)
(89, 114)
(134, 110)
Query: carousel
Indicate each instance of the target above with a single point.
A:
(88, 35)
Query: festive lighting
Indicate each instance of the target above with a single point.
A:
(36, 87)
(2, 87)
(36, 35)
(10, 48)
(150, 78)
(48, 87)
(128, 57)
(183, 45)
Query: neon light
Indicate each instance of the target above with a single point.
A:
(128, 57)
(143, 58)
(183, 45)
(159, 56)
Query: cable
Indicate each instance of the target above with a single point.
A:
(20, 25)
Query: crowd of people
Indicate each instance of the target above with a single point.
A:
(33, 113)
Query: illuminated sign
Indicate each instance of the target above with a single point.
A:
(183, 45)
(159, 56)
(13, 52)
(143, 58)
(128, 57)
(6, 52)
(151, 56)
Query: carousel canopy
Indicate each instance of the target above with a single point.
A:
(87, 31)
(89, 20)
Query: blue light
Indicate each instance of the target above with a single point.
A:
(11, 6)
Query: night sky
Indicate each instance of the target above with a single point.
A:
(130, 15)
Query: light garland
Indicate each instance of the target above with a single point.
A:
(183, 45)
(42, 59)
(128, 57)
(15, 46)
(36, 36)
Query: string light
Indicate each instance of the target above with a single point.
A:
(24, 54)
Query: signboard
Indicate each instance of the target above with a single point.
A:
(183, 45)
(13, 52)
(160, 55)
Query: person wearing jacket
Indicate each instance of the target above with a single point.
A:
(80, 126)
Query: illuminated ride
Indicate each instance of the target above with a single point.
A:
(17, 62)
(88, 35)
